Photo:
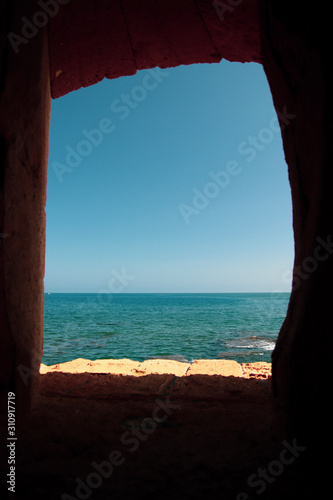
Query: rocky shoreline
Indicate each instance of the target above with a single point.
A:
(127, 367)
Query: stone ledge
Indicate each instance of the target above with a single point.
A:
(162, 366)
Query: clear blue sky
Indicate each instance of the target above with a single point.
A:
(169, 181)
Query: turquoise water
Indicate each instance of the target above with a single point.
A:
(237, 326)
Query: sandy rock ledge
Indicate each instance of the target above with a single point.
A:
(126, 367)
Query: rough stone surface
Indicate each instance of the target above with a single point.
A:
(80, 365)
(258, 369)
(89, 41)
(295, 56)
(293, 50)
(213, 433)
(215, 367)
(25, 103)
(160, 366)
(153, 366)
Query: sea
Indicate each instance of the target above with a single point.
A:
(181, 326)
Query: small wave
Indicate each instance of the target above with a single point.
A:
(239, 354)
(253, 342)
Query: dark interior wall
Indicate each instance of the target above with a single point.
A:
(295, 58)
(90, 40)
(24, 133)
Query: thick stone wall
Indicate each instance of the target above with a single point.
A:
(93, 40)
(296, 61)
(24, 129)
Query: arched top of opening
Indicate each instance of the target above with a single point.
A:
(89, 41)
